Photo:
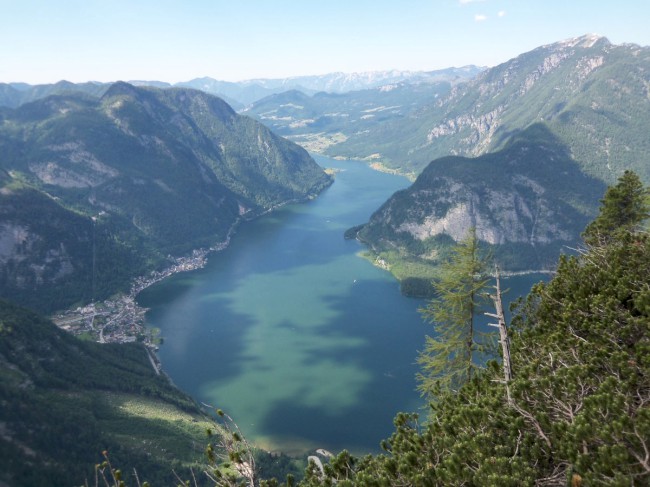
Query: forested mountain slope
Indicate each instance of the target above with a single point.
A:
(65, 401)
(592, 95)
(527, 202)
(113, 184)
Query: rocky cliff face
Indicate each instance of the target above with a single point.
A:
(498, 91)
(519, 213)
(18, 244)
(526, 202)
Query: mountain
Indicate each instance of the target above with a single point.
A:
(250, 91)
(591, 94)
(521, 152)
(324, 119)
(97, 190)
(15, 94)
(527, 202)
(240, 94)
(65, 401)
(345, 82)
(9, 95)
(153, 84)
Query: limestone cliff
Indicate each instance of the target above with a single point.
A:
(527, 202)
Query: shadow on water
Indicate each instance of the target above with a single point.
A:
(199, 341)
(385, 350)
(308, 378)
(303, 343)
(292, 380)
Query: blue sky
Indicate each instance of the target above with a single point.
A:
(44, 41)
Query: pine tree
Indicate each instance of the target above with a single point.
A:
(449, 357)
(624, 207)
(582, 369)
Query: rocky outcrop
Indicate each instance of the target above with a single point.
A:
(498, 216)
(526, 202)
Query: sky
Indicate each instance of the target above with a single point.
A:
(44, 41)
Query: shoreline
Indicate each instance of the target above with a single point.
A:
(375, 258)
(120, 319)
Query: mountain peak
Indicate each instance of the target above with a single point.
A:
(120, 88)
(585, 41)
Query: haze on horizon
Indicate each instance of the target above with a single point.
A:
(172, 41)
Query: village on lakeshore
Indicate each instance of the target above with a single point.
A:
(120, 319)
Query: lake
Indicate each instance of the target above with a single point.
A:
(304, 343)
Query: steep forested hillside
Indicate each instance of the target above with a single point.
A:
(90, 183)
(527, 202)
(64, 401)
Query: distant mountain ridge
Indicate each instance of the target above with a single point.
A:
(253, 90)
(343, 82)
(13, 95)
(135, 175)
(592, 94)
(241, 93)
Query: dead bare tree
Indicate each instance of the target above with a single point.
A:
(503, 331)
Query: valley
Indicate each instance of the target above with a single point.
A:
(579, 88)
(298, 331)
(270, 251)
(545, 123)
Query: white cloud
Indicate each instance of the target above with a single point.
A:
(502, 13)
(465, 2)
(480, 17)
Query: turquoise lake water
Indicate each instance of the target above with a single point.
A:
(304, 343)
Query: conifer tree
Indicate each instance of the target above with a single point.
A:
(449, 357)
(624, 207)
(579, 412)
